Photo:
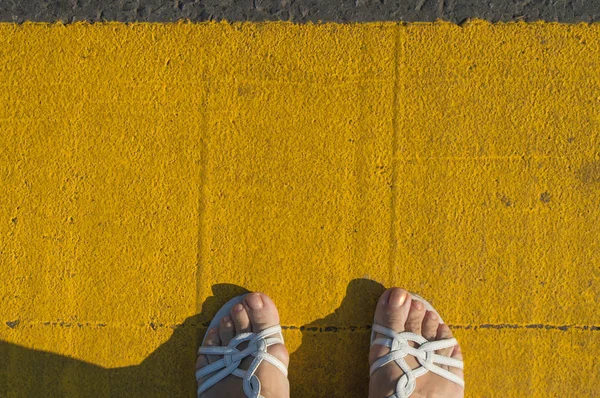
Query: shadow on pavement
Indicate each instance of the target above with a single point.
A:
(333, 358)
(331, 361)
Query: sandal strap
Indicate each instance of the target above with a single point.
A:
(425, 355)
(232, 357)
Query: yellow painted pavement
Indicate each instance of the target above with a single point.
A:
(149, 172)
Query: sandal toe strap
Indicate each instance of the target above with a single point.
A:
(424, 354)
(232, 357)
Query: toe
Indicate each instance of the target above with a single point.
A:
(240, 318)
(263, 314)
(444, 332)
(201, 361)
(212, 340)
(392, 311)
(393, 308)
(261, 311)
(415, 317)
(430, 325)
(457, 354)
(226, 331)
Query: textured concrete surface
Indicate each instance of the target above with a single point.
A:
(150, 172)
(456, 11)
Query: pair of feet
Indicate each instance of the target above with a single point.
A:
(395, 310)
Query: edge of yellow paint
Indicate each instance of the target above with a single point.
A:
(465, 24)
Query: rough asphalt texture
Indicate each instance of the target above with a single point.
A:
(457, 11)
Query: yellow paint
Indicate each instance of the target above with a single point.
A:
(145, 166)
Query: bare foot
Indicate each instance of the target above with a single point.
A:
(256, 313)
(396, 310)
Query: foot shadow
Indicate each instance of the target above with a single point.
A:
(333, 358)
(167, 372)
(331, 362)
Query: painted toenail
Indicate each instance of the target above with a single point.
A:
(238, 307)
(254, 301)
(398, 297)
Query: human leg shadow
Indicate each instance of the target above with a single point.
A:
(167, 372)
(332, 360)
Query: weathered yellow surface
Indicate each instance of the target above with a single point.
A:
(150, 172)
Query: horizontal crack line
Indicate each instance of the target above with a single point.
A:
(309, 328)
(455, 327)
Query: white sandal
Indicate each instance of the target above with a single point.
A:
(232, 356)
(425, 355)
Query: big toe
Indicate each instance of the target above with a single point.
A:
(391, 312)
(261, 311)
(263, 314)
(393, 309)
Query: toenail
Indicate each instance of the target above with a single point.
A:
(213, 331)
(254, 301)
(433, 316)
(398, 297)
(383, 299)
(238, 307)
(226, 321)
(417, 304)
